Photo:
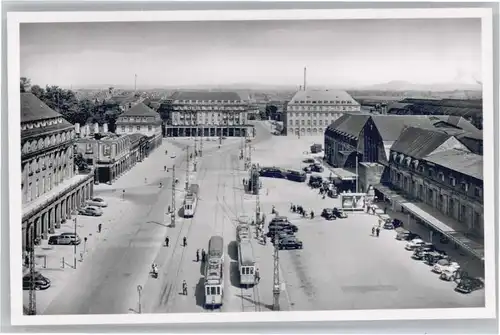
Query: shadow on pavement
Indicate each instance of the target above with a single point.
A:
(180, 212)
(232, 250)
(234, 274)
(256, 303)
(200, 292)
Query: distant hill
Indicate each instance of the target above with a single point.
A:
(399, 85)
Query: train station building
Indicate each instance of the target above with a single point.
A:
(208, 114)
(52, 185)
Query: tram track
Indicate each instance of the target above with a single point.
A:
(176, 267)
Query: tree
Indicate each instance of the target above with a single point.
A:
(25, 84)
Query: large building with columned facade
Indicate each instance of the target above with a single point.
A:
(310, 112)
(52, 186)
(208, 114)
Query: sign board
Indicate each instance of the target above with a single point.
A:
(352, 201)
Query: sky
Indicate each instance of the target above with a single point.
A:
(336, 52)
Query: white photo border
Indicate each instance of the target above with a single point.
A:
(14, 19)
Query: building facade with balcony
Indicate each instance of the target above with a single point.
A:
(52, 186)
(208, 114)
(140, 119)
(310, 112)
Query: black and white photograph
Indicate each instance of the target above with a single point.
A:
(257, 166)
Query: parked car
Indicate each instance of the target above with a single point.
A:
(444, 264)
(316, 167)
(406, 235)
(415, 243)
(279, 235)
(65, 239)
(90, 211)
(283, 219)
(283, 226)
(469, 284)
(315, 181)
(422, 251)
(290, 242)
(391, 223)
(307, 169)
(327, 213)
(449, 274)
(308, 161)
(41, 282)
(333, 193)
(339, 213)
(172, 155)
(433, 257)
(97, 202)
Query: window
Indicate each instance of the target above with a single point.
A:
(150, 128)
(208, 291)
(213, 290)
(453, 181)
(123, 128)
(218, 290)
(477, 192)
(441, 176)
(430, 172)
(138, 127)
(464, 186)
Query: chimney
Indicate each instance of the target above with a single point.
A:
(96, 128)
(305, 77)
(105, 128)
(77, 128)
(87, 130)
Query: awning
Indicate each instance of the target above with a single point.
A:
(390, 194)
(459, 237)
(343, 174)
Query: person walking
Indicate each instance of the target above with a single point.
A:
(377, 231)
(164, 168)
(203, 255)
(99, 227)
(184, 288)
(373, 231)
(197, 255)
(167, 240)
(184, 241)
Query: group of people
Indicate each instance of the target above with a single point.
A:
(300, 210)
(203, 255)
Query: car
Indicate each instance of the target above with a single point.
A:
(282, 219)
(41, 282)
(443, 264)
(309, 161)
(406, 235)
(421, 252)
(283, 226)
(333, 193)
(315, 181)
(339, 213)
(433, 257)
(279, 235)
(307, 169)
(327, 213)
(449, 274)
(469, 284)
(391, 223)
(316, 167)
(97, 202)
(172, 155)
(415, 243)
(290, 242)
(65, 239)
(90, 211)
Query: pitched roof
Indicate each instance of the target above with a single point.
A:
(467, 163)
(205, 95)
(350, 124)
(323, 95)
(398, 105)
(34, 109)
(140, 109)
(457, 121)
(418, 142)
(391, 126)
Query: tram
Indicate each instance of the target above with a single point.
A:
(191, 200)
(242, 232)
(214, 284)
(246, 264)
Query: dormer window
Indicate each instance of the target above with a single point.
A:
(453, 181)
(464, 186)
(441, 176)
(431, 172)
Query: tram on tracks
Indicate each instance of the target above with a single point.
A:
(214, 284)
(191, 200)
(246, 264)
(242, 232)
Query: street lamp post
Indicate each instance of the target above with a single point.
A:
(139, 290)
(75, 212)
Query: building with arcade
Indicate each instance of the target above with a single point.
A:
(52, 185)
(208, 114)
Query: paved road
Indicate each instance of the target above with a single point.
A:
(107, 280)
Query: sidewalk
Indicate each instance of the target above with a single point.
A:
(56, 262)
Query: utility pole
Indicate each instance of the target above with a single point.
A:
(31, 251)
(276, 276)
(187, 167)
(172, 215)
